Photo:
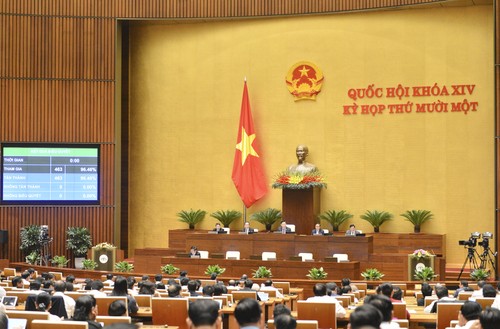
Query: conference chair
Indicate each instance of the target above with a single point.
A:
(485, 301)
(341, 257)
(399, 310)
(104, 302)
(283, 285)
(143, 300)
(445, 313)
(57, 275)
(74, 294)
(170, 311)
(203, 254)
(301, 324)
(464, 295)
(428, 300)
(28, 315)
(9, 272)
(207, 282)
(22, 295)
(401, 286)
(306, 256)
(268, 255)
(223, 300)
(47, 324)
(344, 300)
(107, 320)
(233, 255)
(324, 313)
(240, 294)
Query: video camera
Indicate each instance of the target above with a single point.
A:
(44, 234)
(472, 242)
(486, 240)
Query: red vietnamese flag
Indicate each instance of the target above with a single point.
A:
(248, 175)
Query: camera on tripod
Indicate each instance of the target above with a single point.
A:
(44, 234)
(486, 240)
(472, 242)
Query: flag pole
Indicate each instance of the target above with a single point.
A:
(244, 214)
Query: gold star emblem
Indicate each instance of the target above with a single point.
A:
(304, 71)
(245, 146)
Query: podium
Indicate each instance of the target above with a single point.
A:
(414, 264)
(301, 208)
(105, 258)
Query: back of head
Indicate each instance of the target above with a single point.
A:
(147, 288)
(386, 289)
(145, 277)
(208, 290)
(43, 302)
(464, 283)
(280, 309)
(83, 308)
(365, 315)
(184, 281)
(97, 285)
(70, 278)
(490, 318)
(248, 283)
(426, 289)
(331, 288)
(158, 277)
(203, 312)
(489, 291)
(346, 281)
(470, 310)
(25, 275)
(120, 287)
(319, 289)
(174, 290)
(441, 291)
(191, 285)
(247, 312)
(117, 308)
(131, 281)
(285, 321)
(268, 283)
(4, 321)
(109, 276)
(481, 283)
(383, 304)
(60, 286)
(35, 285)
(397, 293)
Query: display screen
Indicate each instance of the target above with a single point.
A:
(50, 174)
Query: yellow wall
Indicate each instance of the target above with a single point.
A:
(186, 88)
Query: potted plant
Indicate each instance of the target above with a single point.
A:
(372, 274)
(267, 217)
(317, 274)
(60, 261)
(78, 241)
(335, 218)
(191, 217)
(425, 274)
(480, 274)
(417, 218)
(214, 269)
(169, 269)
(30, 239)
(226, 217)
(89, 264)
(376, 218)
(124, 267)
(33, 258)
(262, 272)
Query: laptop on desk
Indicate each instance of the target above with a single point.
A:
(9, 302)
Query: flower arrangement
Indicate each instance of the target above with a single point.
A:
(420, 254)
(297, 180)
(104, 246)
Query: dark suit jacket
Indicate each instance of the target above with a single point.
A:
(288, 230)
(321, 232)
(219, 231)
(250, 230)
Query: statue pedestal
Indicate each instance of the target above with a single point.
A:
(301, 207)
(105, 258)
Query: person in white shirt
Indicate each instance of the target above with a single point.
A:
(109, 280)
(479, 292)
(320, 296)
(384, 305)
(69, 303)
(468, 315)
(97, 289)
(442, 295)
(2, 292)
(268, 286)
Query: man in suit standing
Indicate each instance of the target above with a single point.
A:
(283, 229)
(317, 230)
(247, 229)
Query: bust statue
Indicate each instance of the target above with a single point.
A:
(302, 166)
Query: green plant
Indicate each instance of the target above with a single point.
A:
(372, 274)
(60, 261)
(317, 274)
(417, 218)
(33, 258)
(169, 269)
(226, 217)
(335, 218)
(480, 274)
(262, 272)
(267, 217)
(78, 240)
(425, 274)
(214, 269)
(89, 264)
(30, 239)
(103, 246)
(191, 217)
(376, 218)
(124, 267)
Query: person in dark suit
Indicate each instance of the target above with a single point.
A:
(218, 229)
(317, 230)
(193, 252)
(283, 229)
(352, 231)
(247, 229)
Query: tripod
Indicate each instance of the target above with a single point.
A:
(488, 257)
(45, 252)
(471, 259)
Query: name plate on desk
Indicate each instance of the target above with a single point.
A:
(331, 259)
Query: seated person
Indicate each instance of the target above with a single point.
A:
(352, 231)
(283, 229)
(194, 252)
(247, 229)
(490, 318)
(218, 229)
(117, 308)
(384, 305)
(468, 315)
(317, 230)
(443, 297)
(426, 290)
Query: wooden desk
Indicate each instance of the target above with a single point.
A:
(280, 269)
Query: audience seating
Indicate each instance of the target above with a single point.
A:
(107, 320)
(223, 299)
(22, 295)
(301, 324)
(344, 300)
(9, 272)
(46, 324)
(57, 275)
(104, 302)
(74, 294)
(428, 300)
(170, 311)
(28, 315)
(283, 285)
(399, 310)
(233, 255)
(268, 255)
(464, 295)
(445, 313)
(240, 294)
(485, 301)
(143, 300)
(207, 282)
(324, 313)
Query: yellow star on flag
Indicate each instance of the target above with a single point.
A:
(245, 146)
